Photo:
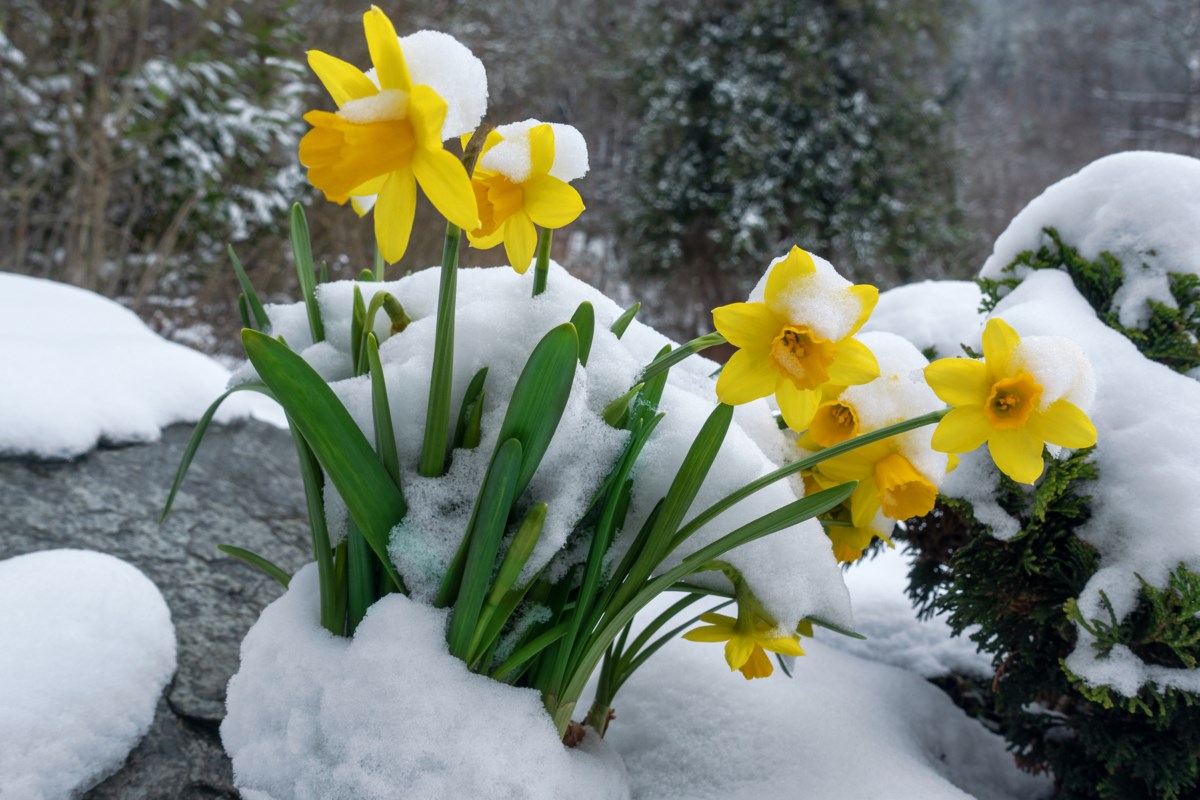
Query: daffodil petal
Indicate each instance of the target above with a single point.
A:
(1063, 423)
(798, 263)
(784, 645)
(708, 633)
(427, 111)
(865, 503)
(541, 150)
(959, 381)
(394, 212)
(750, 325)
(999, 341)
(385, 51)
(445, 183)
(738, 651)
(551, 203)
(758, 665)
(342, 80)
(798, 406)
(713, 618)
(486, 242)
(1017, 452)
(746, 376)
(854, 364)
(868, 296)
(520, 240)
(962, 430)
(373, 186)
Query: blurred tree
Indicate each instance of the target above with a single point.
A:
(769, 123)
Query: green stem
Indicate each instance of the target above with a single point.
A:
(668, 360)
(437, 413)
(541, 266)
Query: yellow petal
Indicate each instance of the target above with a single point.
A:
(853, 364)
(373, 186)
(856, 465)
(905, 493)
(444, 181)
(750, 325)
(784, 645)
(713, 618)
(959, 381)
(386, 55)
(541, 150)
(781, 277)
(868, 296)
(962, 430)
(738, 651)
(865, 503)
(999, 341)
(342, 80)
(746, 376)
(486, 242)
(394, 212)
(1063, 423)
(551, 203)
(834, 422)
(798, 406)
(427, 111)
(708, 633)
(758, 665)
(520, 240)
(1018, 453)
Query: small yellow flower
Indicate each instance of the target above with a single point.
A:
(850, 542)
(512, 201)
(746, 642)
(383, 140)
(797, 340)
(1000, 401)
(888, 483)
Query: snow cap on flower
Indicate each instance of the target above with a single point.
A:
(821, 299)
(511, 156)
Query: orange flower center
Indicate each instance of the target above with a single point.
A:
(802, 357)
(1012, 401)
(341, 155)
(834, 422)
(498, 199)
(903, 492)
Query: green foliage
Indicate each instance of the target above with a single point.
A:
(763, 125)
(1017, 597)
(1170, 336)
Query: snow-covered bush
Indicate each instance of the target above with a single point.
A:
(1086, 589)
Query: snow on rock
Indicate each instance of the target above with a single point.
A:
(86, 647)
(391, 713)
(841, 727)
(793, 572)
(942, 315)
(1142, 207)
(80, 369)
(1144, 516)
(884, 614)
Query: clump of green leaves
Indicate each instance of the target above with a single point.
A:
(1171, 335)
(1017, 597)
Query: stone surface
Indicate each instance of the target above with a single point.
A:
(243, 488)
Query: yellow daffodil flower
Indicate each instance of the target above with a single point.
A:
(513, 200)
(1000, 401)
(850, 542)
(747, 639)
(888, 483)
(798, 339)
(383, 140)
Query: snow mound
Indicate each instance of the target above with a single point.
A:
(841, 727)
(793, 572)
(391, 713)
(86, 647)
(1142, 207)
(447, 66)
(511, 155)
(821, 300)
(80, 369)
(937, 315)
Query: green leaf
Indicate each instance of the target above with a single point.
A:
(467, 430)
(584, 321)
(485, 531)
(360, 592)
(366, 276)
(526, 652)
(198, 432)
(302, 253)
(622, 322)
(357, 318)
(260, 313)
(385, 435)
(332, 614)
(502, 589)
(616, 413)
(434, 453)
(370, 494)
(665, 362)
(255, 560)
(380, 266)
(243, 312)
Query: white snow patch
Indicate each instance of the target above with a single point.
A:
(80, 369)
(942, 315)
(1143, 207)
(512, 158)
(819, 300)
(391, 713)
(86, 647)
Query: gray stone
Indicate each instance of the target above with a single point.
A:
(243, 488)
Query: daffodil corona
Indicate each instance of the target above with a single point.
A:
(384, 139)
(1014, 400)
(798, 339)
(521, 182)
